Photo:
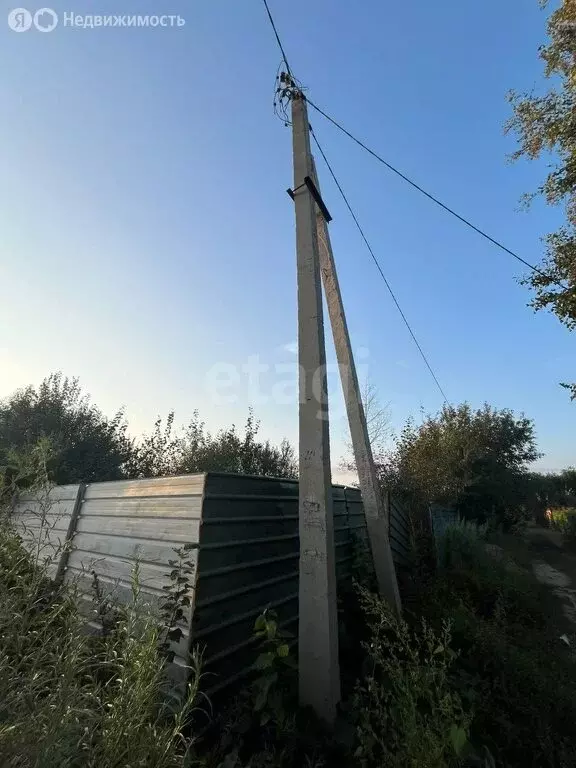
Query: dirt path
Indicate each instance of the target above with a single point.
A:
(554, 567)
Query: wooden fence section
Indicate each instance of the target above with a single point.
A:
(244, 531)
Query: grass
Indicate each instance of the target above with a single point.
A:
(407, 713)
(476, 676)
(70, 699)
(512, 671)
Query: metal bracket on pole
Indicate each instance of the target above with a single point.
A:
(291, 191)
(315, 194)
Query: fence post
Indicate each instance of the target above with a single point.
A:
(59, 578)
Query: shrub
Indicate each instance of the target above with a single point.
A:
(511, 669)
(563, 519)
(69, 699)
(87, 445)
(165, 452)
(461, 541)
(474, 459)
(407, 713)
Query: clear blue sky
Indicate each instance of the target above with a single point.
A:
(146, 234)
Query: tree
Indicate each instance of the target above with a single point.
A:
(377, 418)
(158, 454)
(197, 450)
(572, 389)
(378, 423)
(229, 451)
(556, 489)
(86, 445)
(473, 459)
(25, 468)
(546, 124)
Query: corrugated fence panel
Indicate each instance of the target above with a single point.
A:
(248, 561)
(358, 541)
(141, 521)
(399, 527)
(399, 531)
(42, 519)
(442, 517)
(245, 533)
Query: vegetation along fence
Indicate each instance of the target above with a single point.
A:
(244, 532)
(441, 517)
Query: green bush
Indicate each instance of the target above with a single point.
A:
(511, 669)
(473, 459)
(479, 664)
(69, 699)
(407, 713)
(404, 711)
(461, 542)
(563, 519)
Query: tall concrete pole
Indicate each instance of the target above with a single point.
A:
(374, 508)
(319, 672)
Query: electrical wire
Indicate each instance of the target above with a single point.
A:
(278, 104)
(435, 199)
(412, 183)
(277, 37)
(371, 251)
(284, 86)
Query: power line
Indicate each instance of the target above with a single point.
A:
(388, 286)
(433, 198)
(277, 37)
(396, 302)
(412, 183)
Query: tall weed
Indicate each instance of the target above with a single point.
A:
(69, 699)
(461, 542)
(511, 669)
(406, 712)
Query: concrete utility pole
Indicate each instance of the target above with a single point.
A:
(319, 672)
(374, 509)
